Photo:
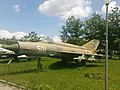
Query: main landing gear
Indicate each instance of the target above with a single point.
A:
(81, 62)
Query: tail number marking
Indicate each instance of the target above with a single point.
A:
(41, 48)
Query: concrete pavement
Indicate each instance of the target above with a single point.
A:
(4, 86)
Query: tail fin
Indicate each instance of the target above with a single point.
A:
(92, 45)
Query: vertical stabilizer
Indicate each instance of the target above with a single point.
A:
(92, 45)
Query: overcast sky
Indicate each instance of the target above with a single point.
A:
(18, 17)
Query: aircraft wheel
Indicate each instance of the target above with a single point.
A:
(81, 63)
(64, 60)
(16, 58)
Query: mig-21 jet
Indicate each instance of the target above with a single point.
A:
(67, 52)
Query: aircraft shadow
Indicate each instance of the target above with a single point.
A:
(60, 65)
(55, 66)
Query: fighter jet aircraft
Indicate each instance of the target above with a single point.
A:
(65, 51)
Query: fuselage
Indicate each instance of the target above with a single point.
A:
(62, 50)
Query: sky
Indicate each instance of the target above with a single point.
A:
(46, 17)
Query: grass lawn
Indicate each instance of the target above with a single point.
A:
(59, 76)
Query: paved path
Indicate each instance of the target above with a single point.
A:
(4, 86)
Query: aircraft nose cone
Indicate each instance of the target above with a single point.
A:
(12, 47)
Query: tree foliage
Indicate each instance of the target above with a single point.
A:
(72, 32)
(94, 27)
(114, 29)
(32, 36)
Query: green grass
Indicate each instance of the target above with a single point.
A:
(59, 76)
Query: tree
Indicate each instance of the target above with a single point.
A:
(95, 28)
(72, 31)
(32, 36)
(114, 30)
(14, 38)
(75, 31)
